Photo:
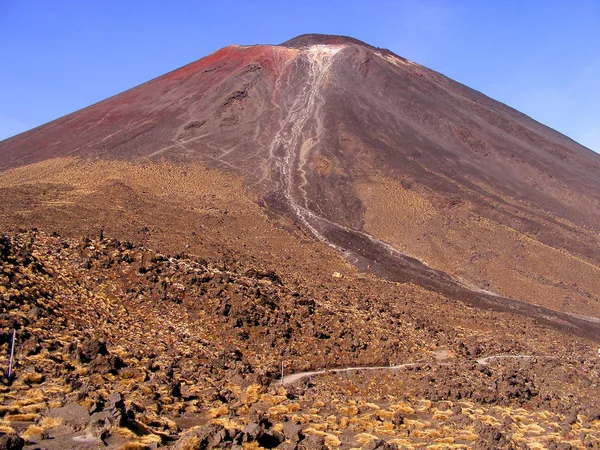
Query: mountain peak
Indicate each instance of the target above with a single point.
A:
(307, 40)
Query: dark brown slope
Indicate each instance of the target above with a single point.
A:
(365, 148)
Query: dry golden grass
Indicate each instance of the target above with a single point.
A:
(384, 414)
(369, 405)
(33, 378)
(410, 423)
(37, 395)
(278, 411)
(21, 417)
(403, 408)
(364, 438)
(252, 393)
(387, 428)
(5, 429)
(35, 408)
(271, 399)
(343, 423)
(55, 404)
(403, 443)
(441, 416)
(47, 423)
(219, 411)
(7, 410)
(227, 423)
(133, 446)
(124, 432)
(31, 431)
(351, 410)
(332, 440)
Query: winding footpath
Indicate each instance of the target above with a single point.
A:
(295, 377)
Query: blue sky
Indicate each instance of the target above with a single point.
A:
(541, 57)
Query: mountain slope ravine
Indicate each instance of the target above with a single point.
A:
(300, 130)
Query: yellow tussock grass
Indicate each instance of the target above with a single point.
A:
(124, 432)
(343, 423)
(402, 443)
(21, 417)
(384, 414)
(410, 423)
(372, 406)
(132, 446)
(227, 423)
(278, 410)
(424, 405)
(242, 410)
(48, 423)
(32, 430)
(331, 440)
(37, 407)
(253, 393)
(272, 400)
(489, 420)
(33, 378)
(351, 410)
(293, 407)
(365, 438)
(36, 395)
(441, 416)
(387, 428)
(403, 408)
(213, 413)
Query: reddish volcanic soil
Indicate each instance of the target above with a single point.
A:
(323, 202)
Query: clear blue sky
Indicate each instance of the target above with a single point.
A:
(541, 57)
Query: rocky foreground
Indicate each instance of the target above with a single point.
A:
(120, 346)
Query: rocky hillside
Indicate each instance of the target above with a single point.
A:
(120, 344)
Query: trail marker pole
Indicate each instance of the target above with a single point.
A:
(12, 352)
(282, 373)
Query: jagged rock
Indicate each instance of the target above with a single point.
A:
(11, 442)
(205, 437)
(490, 437)
(107, 364)
(72, 415)
(270, 439)
(292, 432)
(252, 431)
(397, 419)
(559, 446)
(113, 414)
(31, 346)
(380, 444)
(312, 442)
(90, 349)
(288, 446)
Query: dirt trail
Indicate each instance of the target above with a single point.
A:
(293, 378)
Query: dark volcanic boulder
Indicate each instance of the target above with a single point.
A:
(11, 442)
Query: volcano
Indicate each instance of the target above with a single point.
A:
(405, 172)
(318, 244)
